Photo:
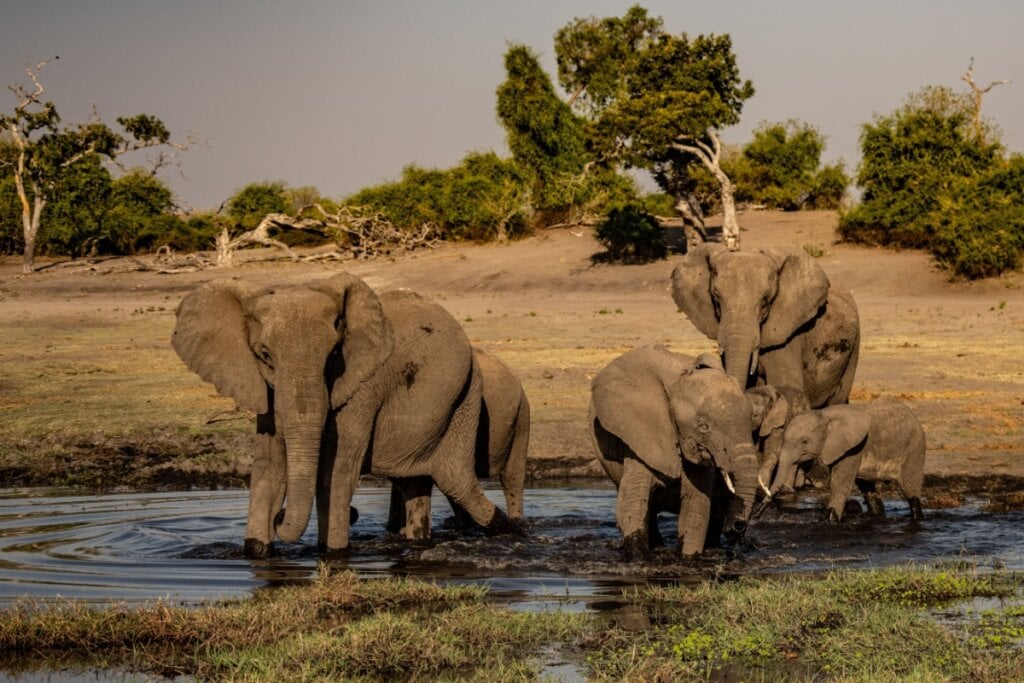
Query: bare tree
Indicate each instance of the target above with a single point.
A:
(43, 149)
(711, 157)
(978, 93)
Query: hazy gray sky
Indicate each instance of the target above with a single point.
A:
(343, 94)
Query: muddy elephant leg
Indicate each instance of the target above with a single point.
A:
(412, 512)
(267, 486)
(513, 477)
(633, 509)
(876, 508)
(844, 473)
(454, 469)
(694, 508)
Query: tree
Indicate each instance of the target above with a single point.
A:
(46, 150)
(911, 158)
(543, 134)
(655, 100)
(781, 168)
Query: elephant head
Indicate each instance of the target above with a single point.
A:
(290, 354)
(712, 419)
(826, 435)
(769, 415)
(748, 301)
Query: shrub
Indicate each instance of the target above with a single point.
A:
(631, 235)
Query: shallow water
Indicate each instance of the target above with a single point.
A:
(187, 547)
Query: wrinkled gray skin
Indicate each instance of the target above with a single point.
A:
(778, 321)
(864, 442)
(502, 441)
(335, 373)
(657, 420)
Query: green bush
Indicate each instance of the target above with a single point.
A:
(482, 198)
(631, 235)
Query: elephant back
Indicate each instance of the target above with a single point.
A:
(424, 380)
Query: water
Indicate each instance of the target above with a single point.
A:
(186, 547)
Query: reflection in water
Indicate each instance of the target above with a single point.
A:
(187, 547)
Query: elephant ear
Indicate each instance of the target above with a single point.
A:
(636, 410)
(690, 430)
(844, 432)
(364, 333)
(803, 289)
(211, 336)
(691, 288)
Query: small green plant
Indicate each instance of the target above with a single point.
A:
(631, 235)
(815, 250)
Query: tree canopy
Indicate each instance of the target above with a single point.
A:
(934, 176)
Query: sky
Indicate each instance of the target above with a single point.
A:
(343, 94)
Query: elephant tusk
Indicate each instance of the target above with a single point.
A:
(753, 363)
(728, 483)
(767, 491)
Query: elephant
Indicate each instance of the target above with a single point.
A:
(502, 439)
(777, 320)
(669, 432)
(867, 442)
(342, 382)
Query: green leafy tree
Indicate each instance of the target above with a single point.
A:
(138, 215)
(910, 160)
(485, 197)
(655, 100)
(72, 221)
(249, 205)
(631, 235)
(45, 150)
(781, 168)
(543, 134)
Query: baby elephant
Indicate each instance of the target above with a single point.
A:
(867, 443)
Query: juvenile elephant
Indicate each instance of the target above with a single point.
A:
(867, 443)
(502, 440)
(342, 382)
(663, 427)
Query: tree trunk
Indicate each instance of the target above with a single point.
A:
(225, 255)
(30, 220)
(693, 221)
(730, 226)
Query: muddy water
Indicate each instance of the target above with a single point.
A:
(187, 547)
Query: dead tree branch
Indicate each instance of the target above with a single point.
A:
(977, 92)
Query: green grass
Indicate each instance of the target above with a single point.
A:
(340, 627)
(848, 625)
(842, 626)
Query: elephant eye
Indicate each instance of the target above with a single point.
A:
(263, 353)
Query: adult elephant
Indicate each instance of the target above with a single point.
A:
(778, 321)
(661, 424)
(502, 442)
(342, 382)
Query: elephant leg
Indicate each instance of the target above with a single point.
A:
(339, 475)
(414, 493)
(513, 476)
(454, 469)
(267, 486)
(843, 475)
(633, 509)
(695, 508)
(876, 508)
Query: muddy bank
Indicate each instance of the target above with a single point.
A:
(166, 461)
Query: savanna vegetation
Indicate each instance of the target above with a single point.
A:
(845, 625)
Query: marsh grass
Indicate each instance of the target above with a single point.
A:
(338, 627)
(847, 625)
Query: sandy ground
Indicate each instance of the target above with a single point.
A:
(952, 350)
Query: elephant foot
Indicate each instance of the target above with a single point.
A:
(876, 508)
(636, 548)
(258, 550)
(916, 513)
(735, 533)
(331, 553)
(833, 517)
(501, 524)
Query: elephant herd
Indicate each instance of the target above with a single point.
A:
(345, 382)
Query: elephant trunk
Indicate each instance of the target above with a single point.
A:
(740, 347)
(303, 430)
(744, 472)
(785, 474)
